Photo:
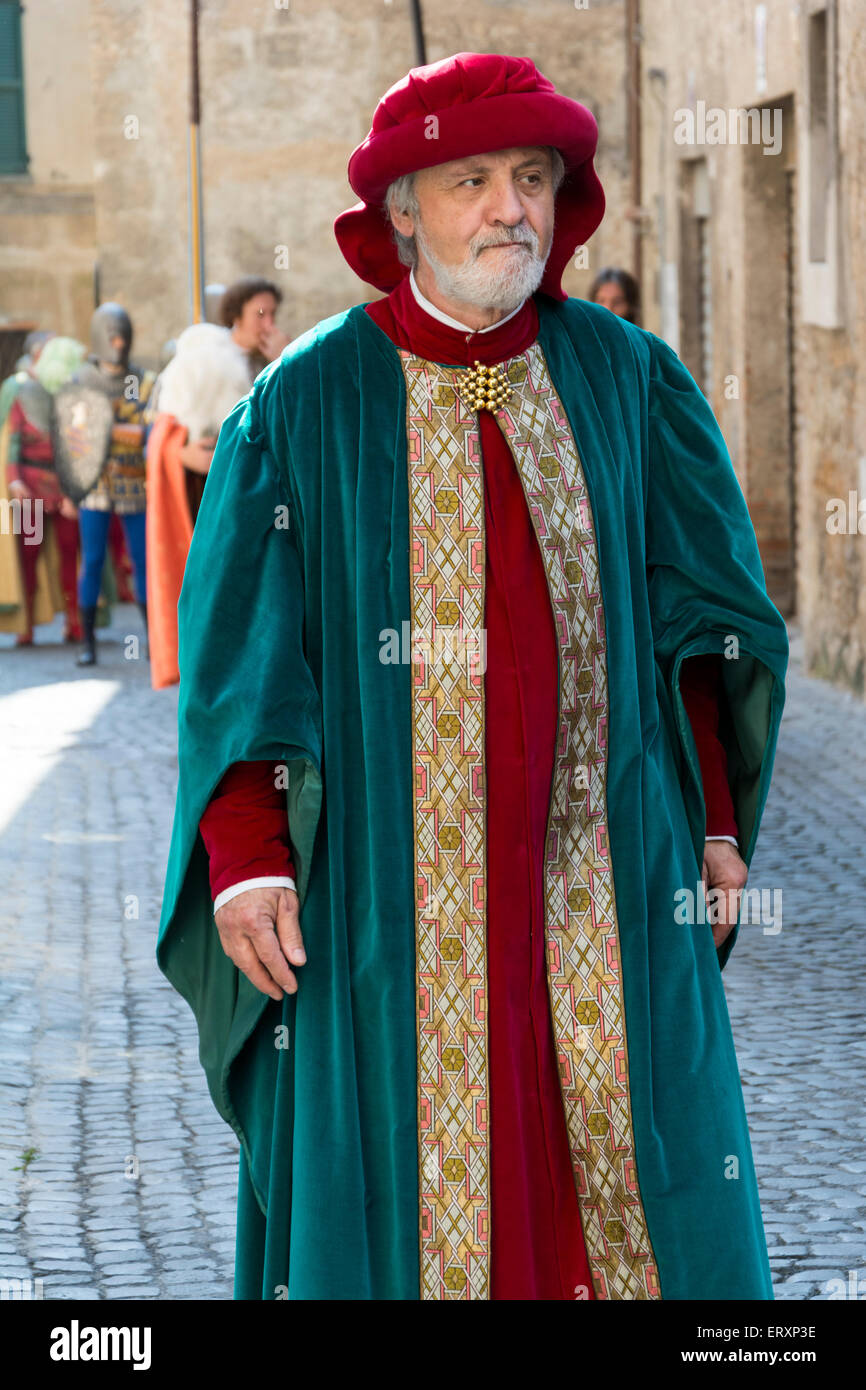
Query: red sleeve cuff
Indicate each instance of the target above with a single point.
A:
(700, 684)
(246, 827)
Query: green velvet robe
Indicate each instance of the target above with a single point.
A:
(279, 659)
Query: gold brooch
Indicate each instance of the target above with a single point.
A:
(487, 387)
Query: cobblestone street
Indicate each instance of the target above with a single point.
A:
(797, 998)
(98, 1055)
(117, 1177)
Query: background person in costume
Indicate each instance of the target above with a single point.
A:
(207, 376)
(494, 1065)
(617, 291)
(15, 615)
(249, 308)
(121, 561)
(33, 345)
(120, 489)
(31, 478)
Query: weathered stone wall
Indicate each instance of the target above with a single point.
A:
(286, 95)
(712, 54)
(832, 408)
(47, 226)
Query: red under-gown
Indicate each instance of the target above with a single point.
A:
(537, 1248)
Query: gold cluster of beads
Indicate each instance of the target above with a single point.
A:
(488, 387)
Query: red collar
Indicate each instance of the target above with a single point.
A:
(411, 327)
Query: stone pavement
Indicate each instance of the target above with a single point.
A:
(117, 1177)
(132, 1193)
(796, 998)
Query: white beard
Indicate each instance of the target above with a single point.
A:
(502, 286)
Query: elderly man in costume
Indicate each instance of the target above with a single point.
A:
(478, 671)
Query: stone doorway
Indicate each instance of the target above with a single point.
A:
(770, 317)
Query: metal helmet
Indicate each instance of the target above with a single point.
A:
(111, 321)
(35, 342)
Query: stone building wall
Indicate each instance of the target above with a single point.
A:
(47, 216)
(286, 95)
(784, 366)
(832, 400)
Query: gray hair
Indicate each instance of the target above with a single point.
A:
(401, 195)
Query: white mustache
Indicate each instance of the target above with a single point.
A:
(530, 242)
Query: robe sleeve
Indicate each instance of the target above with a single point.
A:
(707, 595)
(245, 828)
(247, 694)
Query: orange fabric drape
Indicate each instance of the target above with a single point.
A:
(169, 532)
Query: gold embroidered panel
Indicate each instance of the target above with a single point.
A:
(584, 975)
(583, 957)
(446, 517)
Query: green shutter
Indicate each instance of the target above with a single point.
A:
(13, 146)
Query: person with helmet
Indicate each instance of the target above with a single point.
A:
(120, 486)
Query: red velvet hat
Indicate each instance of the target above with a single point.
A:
(481, 102)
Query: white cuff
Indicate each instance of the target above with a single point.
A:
(731, 839)
(228, 893)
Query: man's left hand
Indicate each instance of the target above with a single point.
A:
(725, 871)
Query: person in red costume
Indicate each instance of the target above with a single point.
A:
(487, 225)
(32, 477)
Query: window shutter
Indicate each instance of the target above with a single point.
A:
(13, 147)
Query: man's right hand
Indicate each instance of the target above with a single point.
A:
(260, 931)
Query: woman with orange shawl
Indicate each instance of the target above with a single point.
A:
(207, 377)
